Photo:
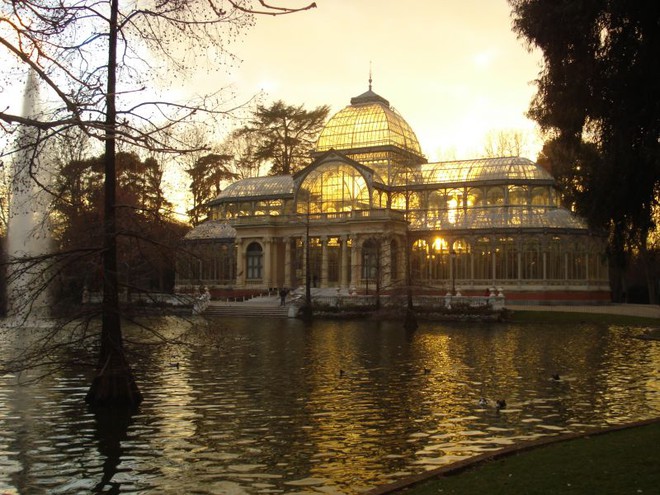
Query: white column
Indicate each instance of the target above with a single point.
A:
(452, 263)
(356, 279)
(304, 262)
(324, 262)
(287, 262)
(267, 275)
(385, 263)
(240, 263)
(494, 258)
(343, 273)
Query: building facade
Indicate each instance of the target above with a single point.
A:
(369, 213)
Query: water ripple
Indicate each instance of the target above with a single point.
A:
(276, 407)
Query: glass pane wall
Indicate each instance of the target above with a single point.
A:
(333, 188)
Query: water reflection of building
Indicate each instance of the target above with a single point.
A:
(368, 193)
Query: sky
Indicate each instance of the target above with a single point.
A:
(453, 69)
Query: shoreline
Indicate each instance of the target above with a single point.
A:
(472, 462)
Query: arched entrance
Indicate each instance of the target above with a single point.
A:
(254, 261)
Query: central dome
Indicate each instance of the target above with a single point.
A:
(367, 122)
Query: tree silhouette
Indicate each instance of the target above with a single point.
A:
(104, 98)
(241, 146)
(505, 142)
(600, 85)
(285, 135)
(206, 175)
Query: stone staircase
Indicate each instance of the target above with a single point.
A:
(261, 307)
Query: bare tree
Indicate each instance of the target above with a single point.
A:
(242, 147)
(4, 198)
(505, 142)
(106, 101)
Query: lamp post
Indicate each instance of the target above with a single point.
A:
(308, 273)
(452, 267)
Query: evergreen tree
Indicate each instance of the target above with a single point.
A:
(285, 135)
(206, 176)
(600, 84)
(146, 234)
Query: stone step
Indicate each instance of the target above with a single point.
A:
(246, 310)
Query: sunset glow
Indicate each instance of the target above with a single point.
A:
(453, 69)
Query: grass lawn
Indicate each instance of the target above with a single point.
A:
(619, 462)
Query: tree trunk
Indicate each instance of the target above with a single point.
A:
(114, 383)
(647, 266)
(618, 265)
(307, 312)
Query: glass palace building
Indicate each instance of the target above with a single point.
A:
(375, 213)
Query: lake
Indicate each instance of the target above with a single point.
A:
(276, 406)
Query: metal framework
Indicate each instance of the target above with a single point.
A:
(367, 123)
(369, 193)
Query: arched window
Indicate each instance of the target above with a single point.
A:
(333, 188)
(315, 260)
(474, 197)
(438, 259)
(577, 260)
(436, 201)
(254, 257)
(399, 201)
(379, 199)
(334, 259)
(483, 259)
(532, 260)
(506, 255)
(462, 257)
(454, 205)
(556, 266)
(541, 196)
(597, 261)
(517, 195)
(495, 196)
(418, 260)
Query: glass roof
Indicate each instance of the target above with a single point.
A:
(483, 170)
(511, 217)
(257, 187)
(369, 121)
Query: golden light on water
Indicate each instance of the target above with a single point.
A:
(259, 405)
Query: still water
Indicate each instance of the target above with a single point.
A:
(273, 406)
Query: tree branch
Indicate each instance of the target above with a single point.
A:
(277, 10)
(70, 105)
